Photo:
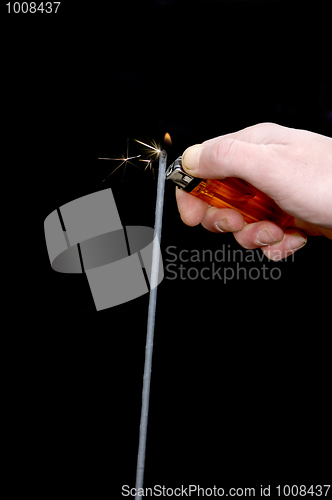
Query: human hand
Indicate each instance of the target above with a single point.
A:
(293, 167)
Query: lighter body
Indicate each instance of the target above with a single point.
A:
(230, 192)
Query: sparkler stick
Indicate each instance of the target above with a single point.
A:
(151, 323)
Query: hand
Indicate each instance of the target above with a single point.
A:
(293, 167)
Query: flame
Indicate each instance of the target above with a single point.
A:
(167, 139)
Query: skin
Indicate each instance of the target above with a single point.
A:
(293, 167)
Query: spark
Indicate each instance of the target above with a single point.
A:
(149, 167)
(153, 155)
(121, 159)
(124, 161)
(148, 164)
(154, 147)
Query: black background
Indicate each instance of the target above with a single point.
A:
(240, 381)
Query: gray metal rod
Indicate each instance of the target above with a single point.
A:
(150, 324)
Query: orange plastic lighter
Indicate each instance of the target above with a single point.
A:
(230, 193)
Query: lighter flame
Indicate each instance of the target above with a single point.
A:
(167, 139)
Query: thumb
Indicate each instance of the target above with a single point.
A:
(226, 157)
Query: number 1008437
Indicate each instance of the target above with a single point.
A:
(33, 7)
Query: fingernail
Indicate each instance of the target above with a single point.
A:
(190, 158)
(296, 242)
(265, 237)
(223, 225)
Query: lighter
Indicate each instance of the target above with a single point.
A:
(230, 193)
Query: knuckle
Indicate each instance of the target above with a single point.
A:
(242, 240)
(224, 151)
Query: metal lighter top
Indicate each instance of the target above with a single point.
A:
(176, 174)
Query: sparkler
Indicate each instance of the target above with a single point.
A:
(151, 323)
(153, 291)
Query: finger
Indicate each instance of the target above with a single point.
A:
(260, 133)
(259, 234)
(222, 220)
(293, 240)
(244, 154)
(192, 210)
(226, 157)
